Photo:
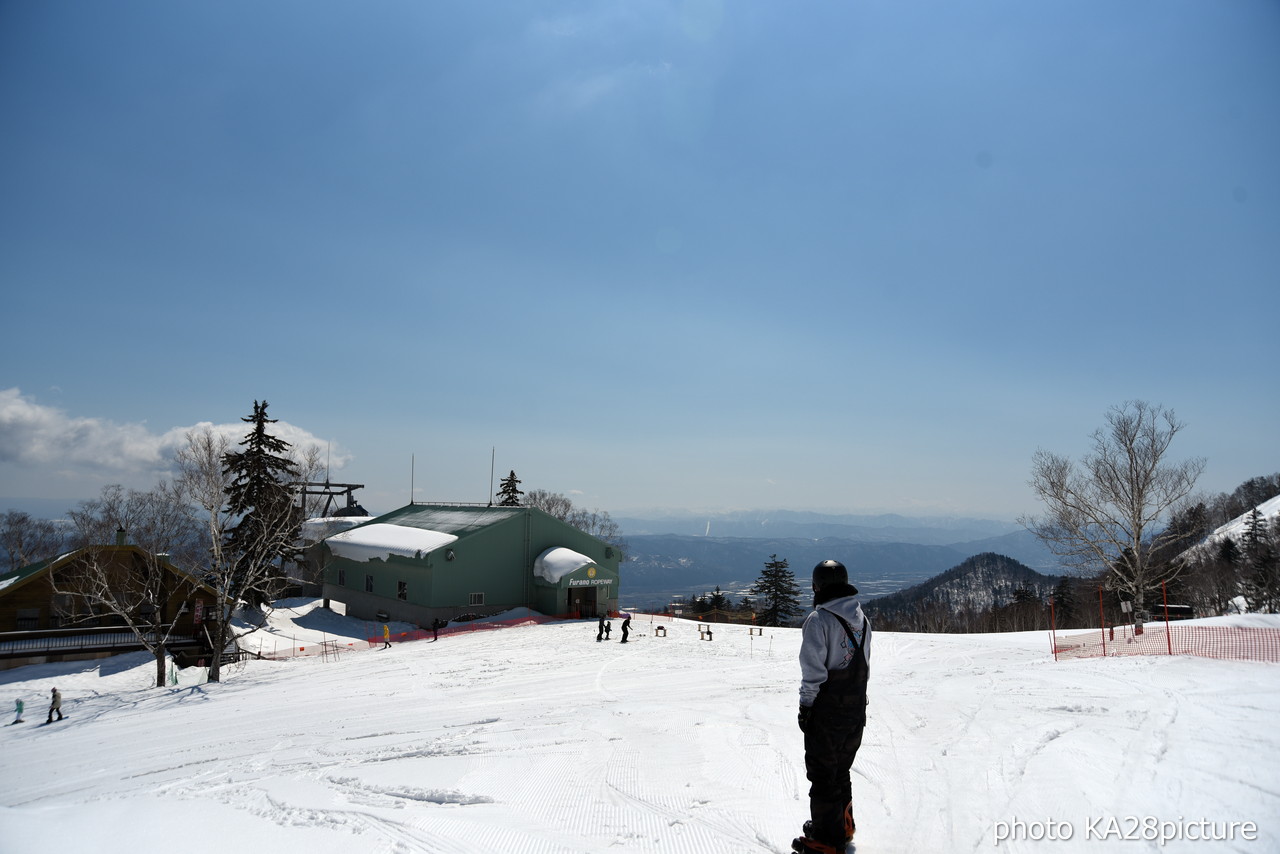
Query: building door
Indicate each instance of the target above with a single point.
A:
(581, 601)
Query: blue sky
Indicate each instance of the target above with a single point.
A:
(819, 255)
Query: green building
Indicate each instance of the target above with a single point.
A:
(426, 562)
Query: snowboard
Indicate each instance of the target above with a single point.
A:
(851, 848)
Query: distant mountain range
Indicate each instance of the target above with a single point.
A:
(40, 508)
(883, 553)
(882, 528)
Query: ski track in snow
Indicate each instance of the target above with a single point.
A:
(538, 739)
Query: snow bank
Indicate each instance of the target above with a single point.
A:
(555, 563)
(381, 541)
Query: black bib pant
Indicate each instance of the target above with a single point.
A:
(831, 742)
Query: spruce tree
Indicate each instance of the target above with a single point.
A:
(1065, 612)
(268, 522)
(1262, 580)
(509, 492)
(778, 593)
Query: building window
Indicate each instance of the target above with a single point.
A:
(402, 590)
(28, 619)
(476, 599)
(342, 578)
(368, 584)
(63, 611)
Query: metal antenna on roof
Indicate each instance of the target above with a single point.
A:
(412, 462)
(493, 456)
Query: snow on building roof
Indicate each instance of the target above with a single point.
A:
(381, 541)
(317, 529)
(452, 519)
(557, 562)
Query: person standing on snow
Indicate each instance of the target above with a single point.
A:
(55, 705)
(835, 663)
(626, 628)
(600, 630)
(386, 636)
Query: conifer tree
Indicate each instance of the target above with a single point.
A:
(258, 495)
(1262, 581)
(778, 593)
(509, 492)
(1065, 612)
(247, 565)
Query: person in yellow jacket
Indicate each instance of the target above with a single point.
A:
(386, 636)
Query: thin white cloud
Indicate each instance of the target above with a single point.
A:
(563, 27)
(34, 434)
(585, 90)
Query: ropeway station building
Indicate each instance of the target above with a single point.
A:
(425, 562)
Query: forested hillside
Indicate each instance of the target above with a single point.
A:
(987, 592)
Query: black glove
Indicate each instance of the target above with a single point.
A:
(803, 718)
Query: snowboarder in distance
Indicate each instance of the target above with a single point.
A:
(18, 708)
(608, 627)
(626, 628)
(435, 628)
(55, 705)
(386, 636)
(835, 663)
(600, 630)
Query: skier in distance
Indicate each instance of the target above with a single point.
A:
(55, 705)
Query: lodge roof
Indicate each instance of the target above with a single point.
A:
(18, 577)
(456, 519)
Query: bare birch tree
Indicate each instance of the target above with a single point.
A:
(138, 587)
(311, 467)
(158, 520)
(27, 540)
(1109, 513)
(597, 523)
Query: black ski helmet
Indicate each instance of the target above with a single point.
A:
(829, 572)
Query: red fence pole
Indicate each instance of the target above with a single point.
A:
(1053, 631)
(1102, 621)
(1167, 636)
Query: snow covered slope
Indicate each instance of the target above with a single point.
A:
(538, 739)
(1235, 529)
